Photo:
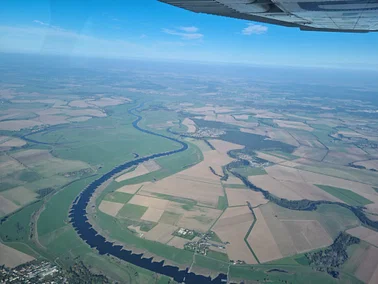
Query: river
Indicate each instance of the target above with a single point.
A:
(85, 230)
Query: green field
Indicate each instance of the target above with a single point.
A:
(169, 218)
(249, 171)
(214, 264)
(222, 203)
(58, 207)
(218, 256)
(119, 197)
(285, 274)
(346, 195)
(132, 211)
(17, 226)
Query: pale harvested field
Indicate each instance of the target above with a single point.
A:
(16, 125)
(242, 116)
(190, 124)
(365, 234)
(352, 134)
(371, 164)
(148, 201)
(131, 189)
(234, 231)
(262, 241)
(178, 242)
(368, 268)
(80, 103)
(291, 190)
(110, 208)
(6, 141)
(20, 195)
(103, 102)
(205, 191)
(232, 180)
(239, 196)
(280, 173)
(282, 135)
(11, 257)
(141, 169)
(223, 146)
(340, 158)
(301, 183)
(310, 153)
(7, 206)
(161, 233)
(293, 124)
(8, 165)
(52, 119)
(357, 187)
(270, 158)
(307, 234)
(291, 164)
(266, 114)
(84, 112)
(307, 139)
(79, 118)
(356, 151)
(152, 214)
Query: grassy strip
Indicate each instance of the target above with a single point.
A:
(246, 236)
(345, 195)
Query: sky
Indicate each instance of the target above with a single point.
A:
(148, 29)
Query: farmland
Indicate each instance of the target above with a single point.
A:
(192, 209)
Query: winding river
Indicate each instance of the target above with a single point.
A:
(85, 230)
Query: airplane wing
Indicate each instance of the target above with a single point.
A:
(358, 16)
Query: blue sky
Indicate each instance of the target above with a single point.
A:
(153, 30)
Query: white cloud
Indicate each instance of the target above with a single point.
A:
(191, 29)
(254, 29)
(47, 25)
(184, 35)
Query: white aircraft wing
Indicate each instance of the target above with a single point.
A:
(310, 15)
